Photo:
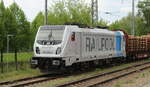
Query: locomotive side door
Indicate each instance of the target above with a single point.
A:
(72, 49)
(76, 44)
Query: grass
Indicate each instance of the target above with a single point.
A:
(12, 67)
(19, 74)
(23, 71)
(22, 59)
(128, 81)
(10, 57)
(143, 74)
(118, 85)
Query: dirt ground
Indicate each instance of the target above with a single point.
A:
(138, 79)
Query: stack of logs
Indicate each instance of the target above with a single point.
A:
(138, 46)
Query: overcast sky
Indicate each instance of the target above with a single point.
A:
(118, 8)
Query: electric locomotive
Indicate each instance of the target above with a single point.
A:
(58, 47)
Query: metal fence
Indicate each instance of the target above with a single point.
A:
(14, 61)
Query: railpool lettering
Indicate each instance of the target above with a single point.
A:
(98, 43)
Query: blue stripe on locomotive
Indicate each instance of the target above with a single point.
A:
(118, 44)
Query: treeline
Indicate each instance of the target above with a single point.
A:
(142, 20)
(15, 27)
(14, 22)
(68, 11)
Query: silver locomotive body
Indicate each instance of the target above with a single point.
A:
(60, 46)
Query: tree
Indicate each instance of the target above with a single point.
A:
(142, 20)
(13, 21)
(23, 28)
(125, 24)
(62, 12)
(102, 23)
(68, 11)
(10, 27)
(144, 13)
(37, 22)
(2, 27)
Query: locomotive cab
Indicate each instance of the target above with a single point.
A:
(48, 46)
(48, 41)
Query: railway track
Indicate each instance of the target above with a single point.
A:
(29, 81)
(98, 80)
(80, 83)
(35, 80)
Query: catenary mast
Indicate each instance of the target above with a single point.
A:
(94, 11)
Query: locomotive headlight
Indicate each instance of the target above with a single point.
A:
(37, 50)
(56, 62)
(58, 51)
